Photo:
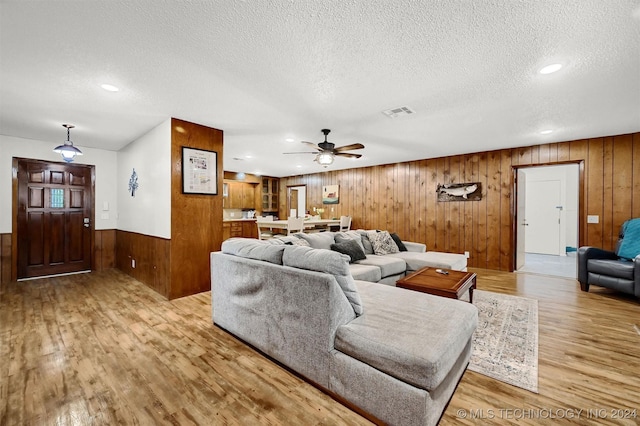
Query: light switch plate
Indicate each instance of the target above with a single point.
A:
(593, 218)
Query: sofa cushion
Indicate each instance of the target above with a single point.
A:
(368, 248)
(365, 272)
(433, 259)
(613, 268)
(382, 242)
(388, 265)
(318, 240)
(253, 249)
(349, 235)
(327, 261)
(351, 248)
(287, 239)
(418, 344)
(398, 242)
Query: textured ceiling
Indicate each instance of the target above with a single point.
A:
(265, 71)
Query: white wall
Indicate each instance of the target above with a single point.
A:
(568, 175)
(149, 211)
(105, 163)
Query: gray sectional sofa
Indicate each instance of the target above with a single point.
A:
(394, 353)
(383, 268)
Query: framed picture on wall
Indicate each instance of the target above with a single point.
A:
(330, 194)
(199, 171)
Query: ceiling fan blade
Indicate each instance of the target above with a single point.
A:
(313, 145)
(301, 152)
(348, 154)
(349, 147)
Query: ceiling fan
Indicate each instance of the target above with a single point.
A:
(326, 151)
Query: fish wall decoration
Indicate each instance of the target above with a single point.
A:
(459, 191)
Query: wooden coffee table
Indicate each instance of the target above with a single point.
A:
(452, 285)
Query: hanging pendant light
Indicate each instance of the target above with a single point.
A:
(67, 150)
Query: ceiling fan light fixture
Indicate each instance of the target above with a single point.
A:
(325, 159)
(67, 150)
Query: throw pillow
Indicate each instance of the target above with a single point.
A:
(398, 242)
(382, 242)
(347, 236)
(630, 245)
(350, 248)
(368, 249)
(318, 240)
(300, 242)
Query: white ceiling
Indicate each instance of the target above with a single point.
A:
(264, 71)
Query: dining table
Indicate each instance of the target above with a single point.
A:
(311, 224)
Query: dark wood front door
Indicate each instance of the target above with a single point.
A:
(55, 211)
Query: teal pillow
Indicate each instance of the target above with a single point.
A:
(630, 245)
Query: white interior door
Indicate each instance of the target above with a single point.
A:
(543, 209)
(521, 218)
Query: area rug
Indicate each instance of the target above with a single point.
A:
(505, 344)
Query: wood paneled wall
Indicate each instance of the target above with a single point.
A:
(6, 258)
(104, 250)
(401, 197)
(152, 256)
(196, 220)
(179, 266)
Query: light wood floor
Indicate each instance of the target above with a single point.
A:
(102, 348)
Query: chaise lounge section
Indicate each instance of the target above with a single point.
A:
(393, 353)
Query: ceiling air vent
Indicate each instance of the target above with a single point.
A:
(398, 112)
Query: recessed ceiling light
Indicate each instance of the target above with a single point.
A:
(546, 132)
(289, 140)
(550, 69)
(248, 156)
(109, 87)
(299, 166)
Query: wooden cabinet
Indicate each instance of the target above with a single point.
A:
(239, 228)
(226, 230)
(249, 229)
(270, 187)
(240, 195)
(236, 229)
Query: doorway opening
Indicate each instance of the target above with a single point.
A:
(296, 200)
(547, 218)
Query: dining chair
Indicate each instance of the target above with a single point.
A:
(295, 224)
(264, 232)
(345, 223)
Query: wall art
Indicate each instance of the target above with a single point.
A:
(199, 171)
(459, 191)
(330, 194)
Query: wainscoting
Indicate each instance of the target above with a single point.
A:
(145, 258)
(6, 258)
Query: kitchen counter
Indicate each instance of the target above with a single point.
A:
(238, 220)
